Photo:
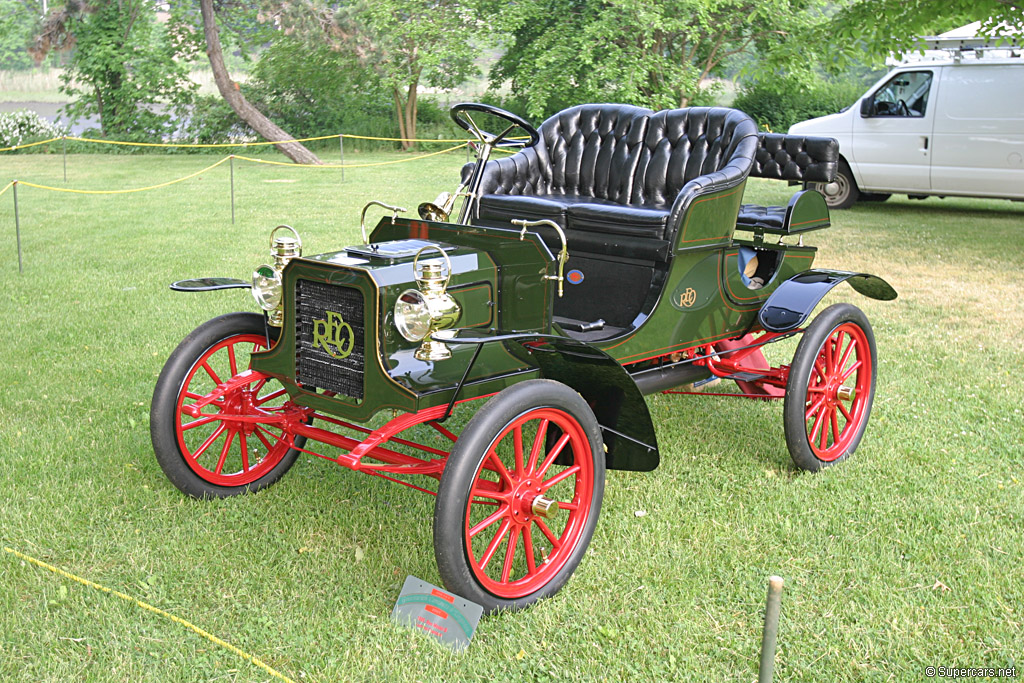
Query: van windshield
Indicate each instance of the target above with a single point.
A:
(905, 94)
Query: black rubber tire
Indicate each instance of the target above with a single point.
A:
(163, 409)
(795, 417)
(466, 459)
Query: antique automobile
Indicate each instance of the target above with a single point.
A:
(605, 257)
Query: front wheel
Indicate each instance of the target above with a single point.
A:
(225, 450)
(830, 389)
(520, 496)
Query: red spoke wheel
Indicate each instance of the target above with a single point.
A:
(831, 387)
(520, 496)
(225, 449)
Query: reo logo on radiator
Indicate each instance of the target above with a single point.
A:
(333, 335)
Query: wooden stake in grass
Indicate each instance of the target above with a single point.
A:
(17, 221)
(771, 629)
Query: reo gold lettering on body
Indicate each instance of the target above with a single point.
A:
(333, 335)
(688, 298)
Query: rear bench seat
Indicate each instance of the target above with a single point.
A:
(799, 159)
(619, 178)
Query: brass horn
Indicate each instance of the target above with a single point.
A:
(440, 209)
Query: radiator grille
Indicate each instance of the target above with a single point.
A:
(314, 366)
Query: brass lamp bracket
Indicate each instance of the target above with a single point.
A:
(395, 210)
(563, 255)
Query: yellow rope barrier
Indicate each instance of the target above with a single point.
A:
(369, 137)
(30, 144)
(6, 187)
(376, 163)
(155, 610)
(129, 191)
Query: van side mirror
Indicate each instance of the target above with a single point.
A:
(867, 107)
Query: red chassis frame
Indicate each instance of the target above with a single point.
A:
(740, 360)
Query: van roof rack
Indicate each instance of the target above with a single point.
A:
(977, 44)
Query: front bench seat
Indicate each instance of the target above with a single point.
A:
(619, 178)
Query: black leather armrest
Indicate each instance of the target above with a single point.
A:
(796, 157)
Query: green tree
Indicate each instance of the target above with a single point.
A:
(408, 44)
(878, 28)
(123, 67)
(653, 54)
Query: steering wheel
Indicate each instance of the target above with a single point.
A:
(902, 109)
(461, 115)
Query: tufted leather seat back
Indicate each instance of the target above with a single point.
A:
(592, 150)
(682, 144)
(796, 157)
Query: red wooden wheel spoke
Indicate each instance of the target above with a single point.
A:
(510, 555)
(531, 562)
(824, 431)
(538, 444)
(555, 543)
(501, 513)
(192, 395)
(243, 444)
(260, 431)
(232, 362)
(569, 506)
(555, 452)
(844, 411)
(517, 442)
(224, 452)
(817, 425)
(493, 495)
(210, 372)
(199, 422)
(819, 367)
(846, 354)
(209, 440)
(495, 542)
(853, 368)
(499, 467)
(270, 397)
(561, 476)
(834, 417)
(815, 407)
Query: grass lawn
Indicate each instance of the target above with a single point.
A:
(906, 556)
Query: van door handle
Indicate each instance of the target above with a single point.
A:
(924, 143)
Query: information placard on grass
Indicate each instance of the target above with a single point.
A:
(445, 616)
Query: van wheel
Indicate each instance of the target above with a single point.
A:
(847, 192)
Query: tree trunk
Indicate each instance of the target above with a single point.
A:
(229, 91)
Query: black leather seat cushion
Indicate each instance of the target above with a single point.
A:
(505, 207)
(616, 219)
(769, 216)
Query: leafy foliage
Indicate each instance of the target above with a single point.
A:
(634, 51)
(776, 104)
(123, 68)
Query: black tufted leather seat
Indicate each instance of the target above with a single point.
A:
(620, 178)
(788, 157)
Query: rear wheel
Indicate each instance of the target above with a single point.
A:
(516, 510)
(831, 387)
(223, 451)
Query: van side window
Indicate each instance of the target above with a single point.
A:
(905, 94)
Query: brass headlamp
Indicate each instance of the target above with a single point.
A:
(421, 312)
(267, 287)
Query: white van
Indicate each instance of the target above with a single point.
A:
(950, 127)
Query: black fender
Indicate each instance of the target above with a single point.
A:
(791, 303)
(620, 408)
(208, 284)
